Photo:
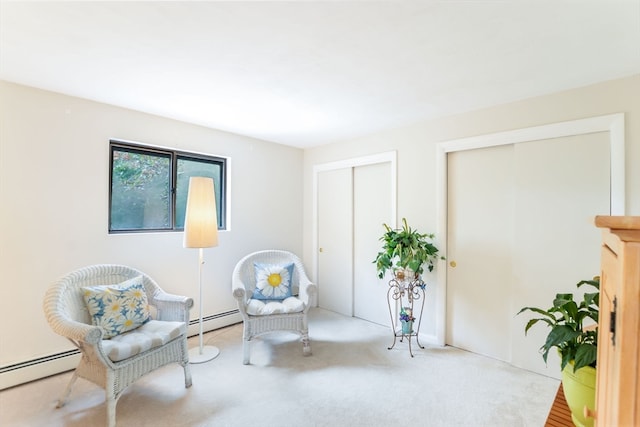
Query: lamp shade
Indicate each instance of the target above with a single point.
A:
(201, 219)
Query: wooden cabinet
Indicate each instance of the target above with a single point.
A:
(618, 372)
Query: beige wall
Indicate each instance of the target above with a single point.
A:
(54, 181)
(416, 148)
(54, 190)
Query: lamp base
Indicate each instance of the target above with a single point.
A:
(209, 352)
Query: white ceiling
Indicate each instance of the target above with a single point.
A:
(309, 73)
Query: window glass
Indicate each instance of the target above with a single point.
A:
(140, 191)
(188, 167)
(149, 187)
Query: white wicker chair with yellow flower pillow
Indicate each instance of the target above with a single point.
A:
(123, 323)
(273, 294)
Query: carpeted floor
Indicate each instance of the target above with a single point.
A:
(350, 380)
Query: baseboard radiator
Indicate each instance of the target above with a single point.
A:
(41, 367)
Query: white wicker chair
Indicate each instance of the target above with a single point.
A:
(243, 285)
(68, 316)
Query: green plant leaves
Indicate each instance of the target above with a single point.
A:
(566, 319)
(586, 355)
(406, 248)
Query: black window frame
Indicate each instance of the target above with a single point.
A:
(174, 156)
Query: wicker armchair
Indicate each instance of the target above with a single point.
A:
(281, 319)
(66, 312)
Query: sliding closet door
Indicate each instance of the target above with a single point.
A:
(335, 241)
(480, 230)
(353, 203)
(520, 230)
(371, 208)
(562, 184)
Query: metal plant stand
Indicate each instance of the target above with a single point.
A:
(401, 292)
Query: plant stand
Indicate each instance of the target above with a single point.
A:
(404, 293)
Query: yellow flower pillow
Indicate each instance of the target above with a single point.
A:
(273, 282)
(117, 308)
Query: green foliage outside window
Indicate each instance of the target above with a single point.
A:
(141, 187)
(140, 191)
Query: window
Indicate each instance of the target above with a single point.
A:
(149, 187)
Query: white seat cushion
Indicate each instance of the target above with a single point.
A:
(262, 308)
(152, 334)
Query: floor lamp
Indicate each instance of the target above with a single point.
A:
(201, 231)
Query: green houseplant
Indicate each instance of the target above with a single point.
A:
(568, 334)
(406, 249)
(576, 343)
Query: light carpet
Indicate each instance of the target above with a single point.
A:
(350, 380)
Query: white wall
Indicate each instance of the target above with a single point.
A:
(54, 183)
(54, 187)
(416, 147)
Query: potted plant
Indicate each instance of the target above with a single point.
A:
(406, 319)
(576, 342)
(405, 251)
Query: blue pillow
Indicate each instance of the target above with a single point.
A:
(117, 308)
(273, 281)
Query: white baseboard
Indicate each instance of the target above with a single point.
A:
(30, 370)
(210, 323)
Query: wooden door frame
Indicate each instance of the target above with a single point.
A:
(611, 123)
(386, 157)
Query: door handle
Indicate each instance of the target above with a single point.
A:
(453, 264)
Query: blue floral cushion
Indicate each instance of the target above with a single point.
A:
(117, 308)
(273, 282)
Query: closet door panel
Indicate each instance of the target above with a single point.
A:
(372, 206)
(335, 241)
(561, 185)
(480, 243)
